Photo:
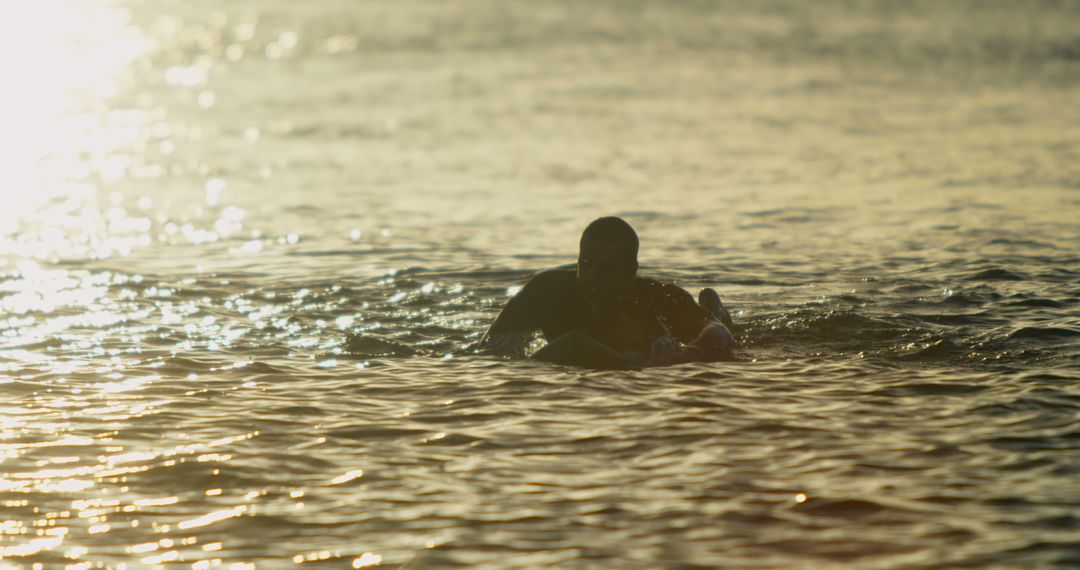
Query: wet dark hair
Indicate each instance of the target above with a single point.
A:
(611, 228)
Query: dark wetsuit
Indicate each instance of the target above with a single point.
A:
(550, 302)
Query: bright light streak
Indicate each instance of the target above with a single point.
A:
(60, 60)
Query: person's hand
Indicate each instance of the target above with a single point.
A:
(715, 342)
(664, 345)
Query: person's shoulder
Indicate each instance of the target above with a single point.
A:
(562, 275)
(553, 279)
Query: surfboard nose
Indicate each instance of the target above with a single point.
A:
(709, 300)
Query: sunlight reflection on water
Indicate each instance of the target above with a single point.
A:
(58, 136)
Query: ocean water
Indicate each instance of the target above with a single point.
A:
(243, 244)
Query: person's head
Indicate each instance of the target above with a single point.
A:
(607, 258)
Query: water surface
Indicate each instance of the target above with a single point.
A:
(207, 206)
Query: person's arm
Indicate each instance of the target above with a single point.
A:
(518, 318)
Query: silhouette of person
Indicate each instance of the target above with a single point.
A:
(602, 315)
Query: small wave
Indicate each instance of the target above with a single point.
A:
(968, 298)
(932, 389)
(1036, 303)
(945, 450)
(298, 410)
(751, 282)
(1045, 333)
(1022, 243)
(1059, 523)
(369, 431)
(1021, 405)
(996, 274)
(371, 346)
(1044, 376)
(941, 349)
(842, 508)
(774, 427)
(848, 326)
(956, 320)
(1065, 50)
(914, 287)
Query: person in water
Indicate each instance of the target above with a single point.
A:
(602, 315)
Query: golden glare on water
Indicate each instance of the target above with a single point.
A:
(62, 60)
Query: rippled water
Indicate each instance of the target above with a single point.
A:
(243, 247)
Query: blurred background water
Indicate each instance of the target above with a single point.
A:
(241, 242)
